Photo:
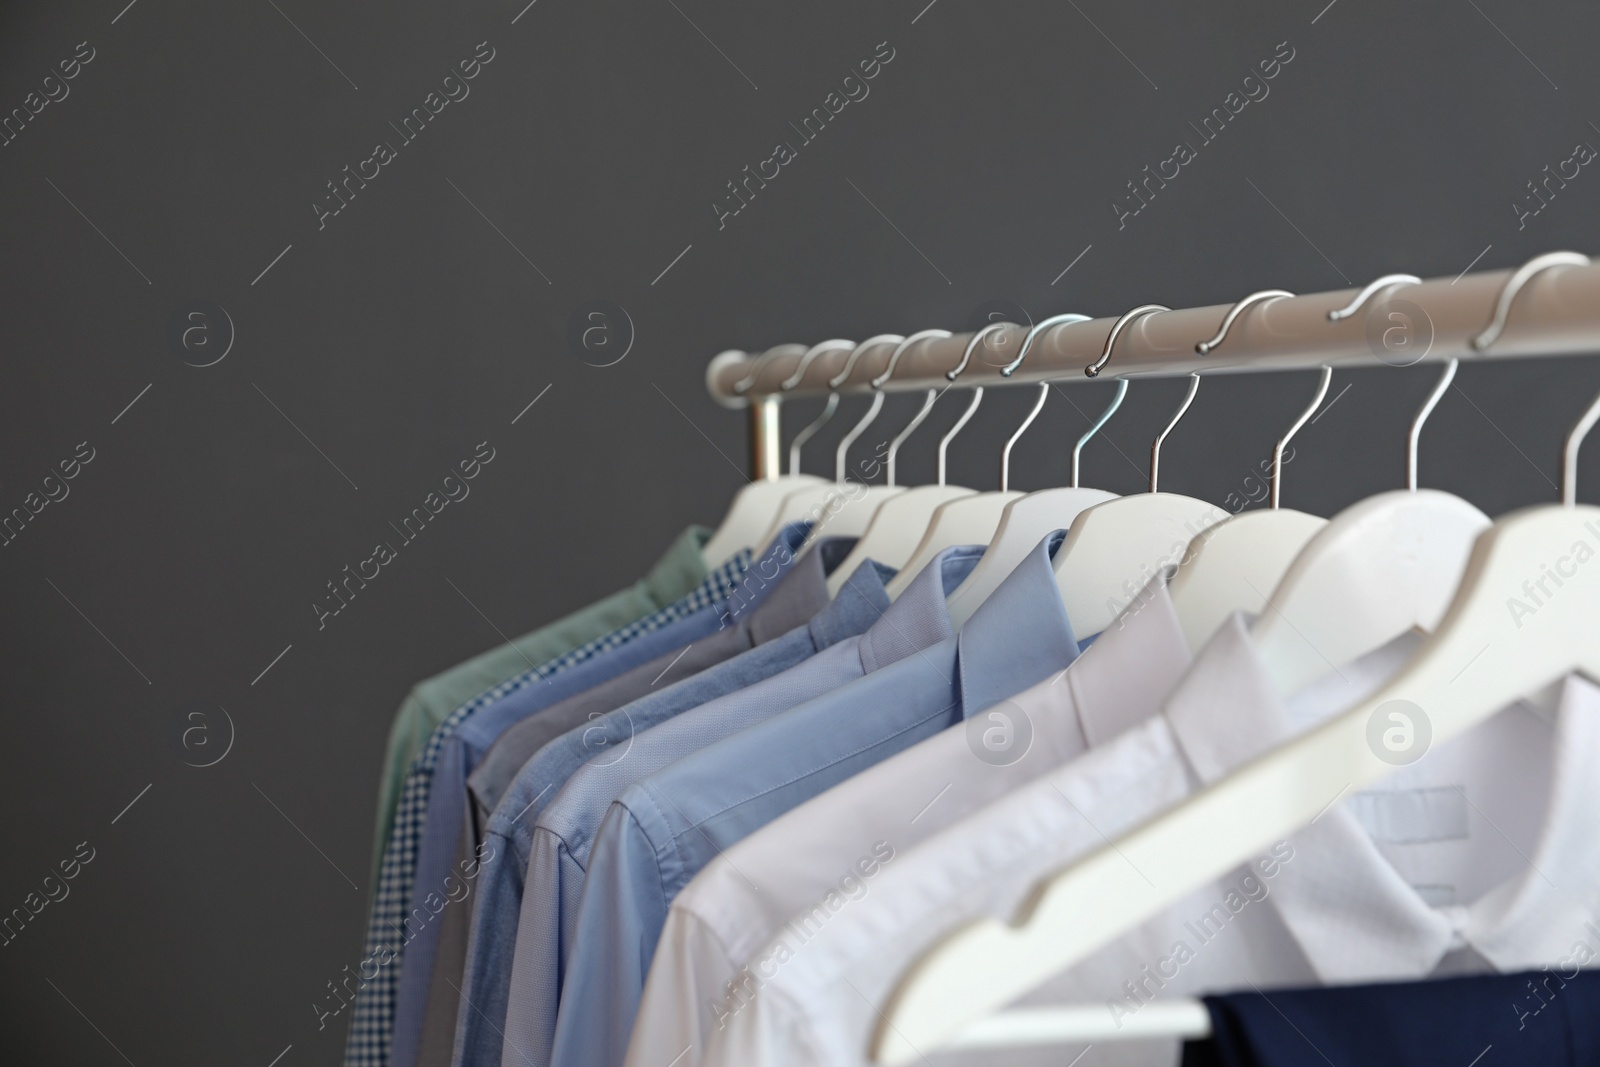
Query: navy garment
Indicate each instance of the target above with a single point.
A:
(1548, 1018)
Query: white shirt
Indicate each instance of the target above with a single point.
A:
(841, 840)
(1430, 873)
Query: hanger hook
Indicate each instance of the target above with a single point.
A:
(812, 353)
(1422, 416)
(1027, 342)
(828, 409)
(872, 412)
(1005, 453)
(1569, 454)
(1283, 442)
(810, 431)
(855, 432)
(972, 346)
(758, 365)
(900, 439)
(1105, 417)
(900, 349)
(927, 401)
(1372, 287)
(1155, 448)
(1093, 370)
(944, 442)
(1207, 347)
(1513, 286)
(855, 354)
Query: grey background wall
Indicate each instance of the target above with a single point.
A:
(181, 170)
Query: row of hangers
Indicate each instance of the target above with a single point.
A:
(1324, 592)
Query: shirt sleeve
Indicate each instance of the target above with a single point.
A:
(535, 987)
(621, 915)
(487, 978)
(690, 991)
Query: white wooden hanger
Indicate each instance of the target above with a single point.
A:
(1386, 565)
(1027, 519)
(1496, 644)
(753, 507)
(900, 521)
(1234, 565)
(969, 520)
(844, 508)
(1113, 549)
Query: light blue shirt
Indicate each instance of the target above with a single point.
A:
(490, 950)
(662, 831)
(564, 831)
(398, 917)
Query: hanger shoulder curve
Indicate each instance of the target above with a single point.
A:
(1113, 549)
(749, 516)
(1023, 524)
(1235, 565)
(1449, 686)
(972, 520)
(850, 511)
(1386, 565)
(897, 528)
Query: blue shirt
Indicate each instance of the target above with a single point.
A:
(479, 1038)
(432, 878)
(368, 1041)
(662, 831)
(793, 600)
(565, 829)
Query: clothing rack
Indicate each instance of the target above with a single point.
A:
(1547, 307)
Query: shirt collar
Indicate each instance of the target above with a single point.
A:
(799, 594)
(863, 600)
(1226, 711)
(919, 618)
(1136, 661)
(680, 568)
(759, 579)
(1018, 636)
(1357, 919)
(1351, 912)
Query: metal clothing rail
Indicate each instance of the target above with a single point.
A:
(1548, 307)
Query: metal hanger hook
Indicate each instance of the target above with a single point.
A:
(972, 346)
(759, 364)
(1093, 370)
(855, 354)
(827, 409)
(1283, 442)
(1027, 342)
(1569, 454)
(1523, 275)
(900, 349)
(811, 354)
(810, 431)
(1415, 437)
(872, 412)
(944, 442)
(927, 401)
(855, 432)
(1155, 448)
(1207, 347)
(1005, 453)
(1105, 417)
(1372, 287)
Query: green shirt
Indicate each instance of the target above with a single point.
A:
(675, 574)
